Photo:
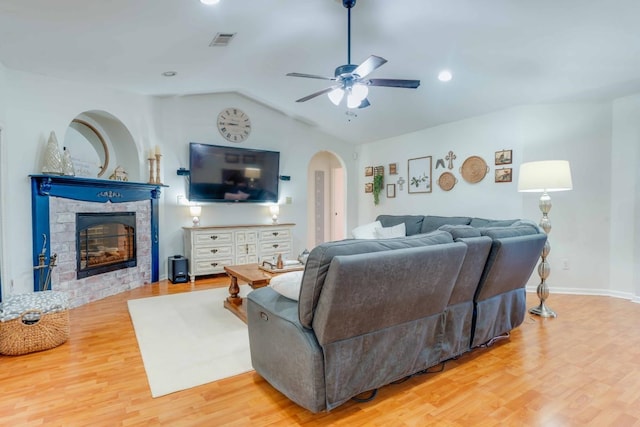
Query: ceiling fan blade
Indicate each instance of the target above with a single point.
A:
(310, 76)
(313, 95)
(409, 84)
(369, 64)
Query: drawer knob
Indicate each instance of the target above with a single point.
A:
(214, 251)
(275, 233)
(214, 237)
(214, 264)
(276, 245)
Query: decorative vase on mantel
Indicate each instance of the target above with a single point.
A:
(67, 164)
(52, 157)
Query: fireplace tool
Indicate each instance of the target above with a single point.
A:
(44, 279)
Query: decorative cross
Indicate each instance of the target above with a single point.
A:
(401, 182)
(451, 157)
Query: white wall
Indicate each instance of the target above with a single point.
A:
(35, 106)
(624, 261)
(186, 119)
(580, 133)
(39, 105)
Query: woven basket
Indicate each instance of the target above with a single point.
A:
(34, 331)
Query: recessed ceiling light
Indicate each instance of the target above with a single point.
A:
(169, 73)
(445, 76)
(209, 1)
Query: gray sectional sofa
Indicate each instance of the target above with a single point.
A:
(371, 312)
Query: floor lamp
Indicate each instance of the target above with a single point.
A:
(544, 177)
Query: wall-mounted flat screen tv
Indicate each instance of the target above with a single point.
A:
(232, 174)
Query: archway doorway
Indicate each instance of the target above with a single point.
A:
(326, 206)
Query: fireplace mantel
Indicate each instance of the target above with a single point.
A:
(88, 190)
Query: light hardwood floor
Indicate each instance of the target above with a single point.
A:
(582, 368)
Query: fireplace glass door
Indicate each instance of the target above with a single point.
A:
(105, 242)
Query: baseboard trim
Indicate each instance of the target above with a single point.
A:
(587, 291)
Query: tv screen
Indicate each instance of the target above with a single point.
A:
(231, 174)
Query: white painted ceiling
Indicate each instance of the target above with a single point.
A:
(502, 53)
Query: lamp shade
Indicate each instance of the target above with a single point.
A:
(274, 209)
(547, 175)
(195, 210)
(252, 173)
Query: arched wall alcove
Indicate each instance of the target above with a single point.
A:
(99, 142)
(327, 202)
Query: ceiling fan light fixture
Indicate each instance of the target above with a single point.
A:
(445, 76)
(209, 2)
(336, 95)
(360, 91)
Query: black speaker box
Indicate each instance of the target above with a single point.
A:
(178, 269)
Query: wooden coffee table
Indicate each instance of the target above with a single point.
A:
(253, 276)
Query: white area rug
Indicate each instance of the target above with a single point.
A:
(189, 339)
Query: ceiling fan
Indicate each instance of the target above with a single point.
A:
(352, 79)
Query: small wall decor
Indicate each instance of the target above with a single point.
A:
(401, 182)
(378, 182)
(119, 174)
(368, 187)
(503, 157)
(420, 175)
(503, 175)
(368, 171)
(450, 158)
(474, 169)
(391, 191)
(393, 168)
(447, 181)
(439, 163)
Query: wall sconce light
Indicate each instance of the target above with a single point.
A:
(275, 211)
(195, 212)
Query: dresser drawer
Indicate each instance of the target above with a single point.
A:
(214, 252)
(274, 247)
(212, 266)
(246, 237)
(208, 238)
(275, 234)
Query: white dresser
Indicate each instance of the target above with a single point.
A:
(210, 249)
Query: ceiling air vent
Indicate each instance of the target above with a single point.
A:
(222, 39)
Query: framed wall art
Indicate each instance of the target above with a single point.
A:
(368, 171)
(391, 191)
(504, 175)
(420, 175)
(393, 168)
(368, 187)
(503, 157)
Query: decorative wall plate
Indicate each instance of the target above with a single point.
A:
(474, 169)
(447, 181)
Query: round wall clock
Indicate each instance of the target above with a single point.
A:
(234, 124)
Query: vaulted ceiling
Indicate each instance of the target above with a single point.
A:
(502, 53)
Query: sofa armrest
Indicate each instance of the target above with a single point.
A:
(283, 352)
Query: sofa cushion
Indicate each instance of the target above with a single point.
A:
(413, 223)
(366, 231)
(399, 230)
(320, 258)
(482, 222)
(460, 231)
(287, 284)
(503, 232)
(431, 223)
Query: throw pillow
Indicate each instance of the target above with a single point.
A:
(391, 232)
(366, 231)
(287, 284)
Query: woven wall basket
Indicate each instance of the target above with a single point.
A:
(33, 331)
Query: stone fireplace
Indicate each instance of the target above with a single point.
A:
(104, 233)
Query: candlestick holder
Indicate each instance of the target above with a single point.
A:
(158, 168)
(152, 179)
